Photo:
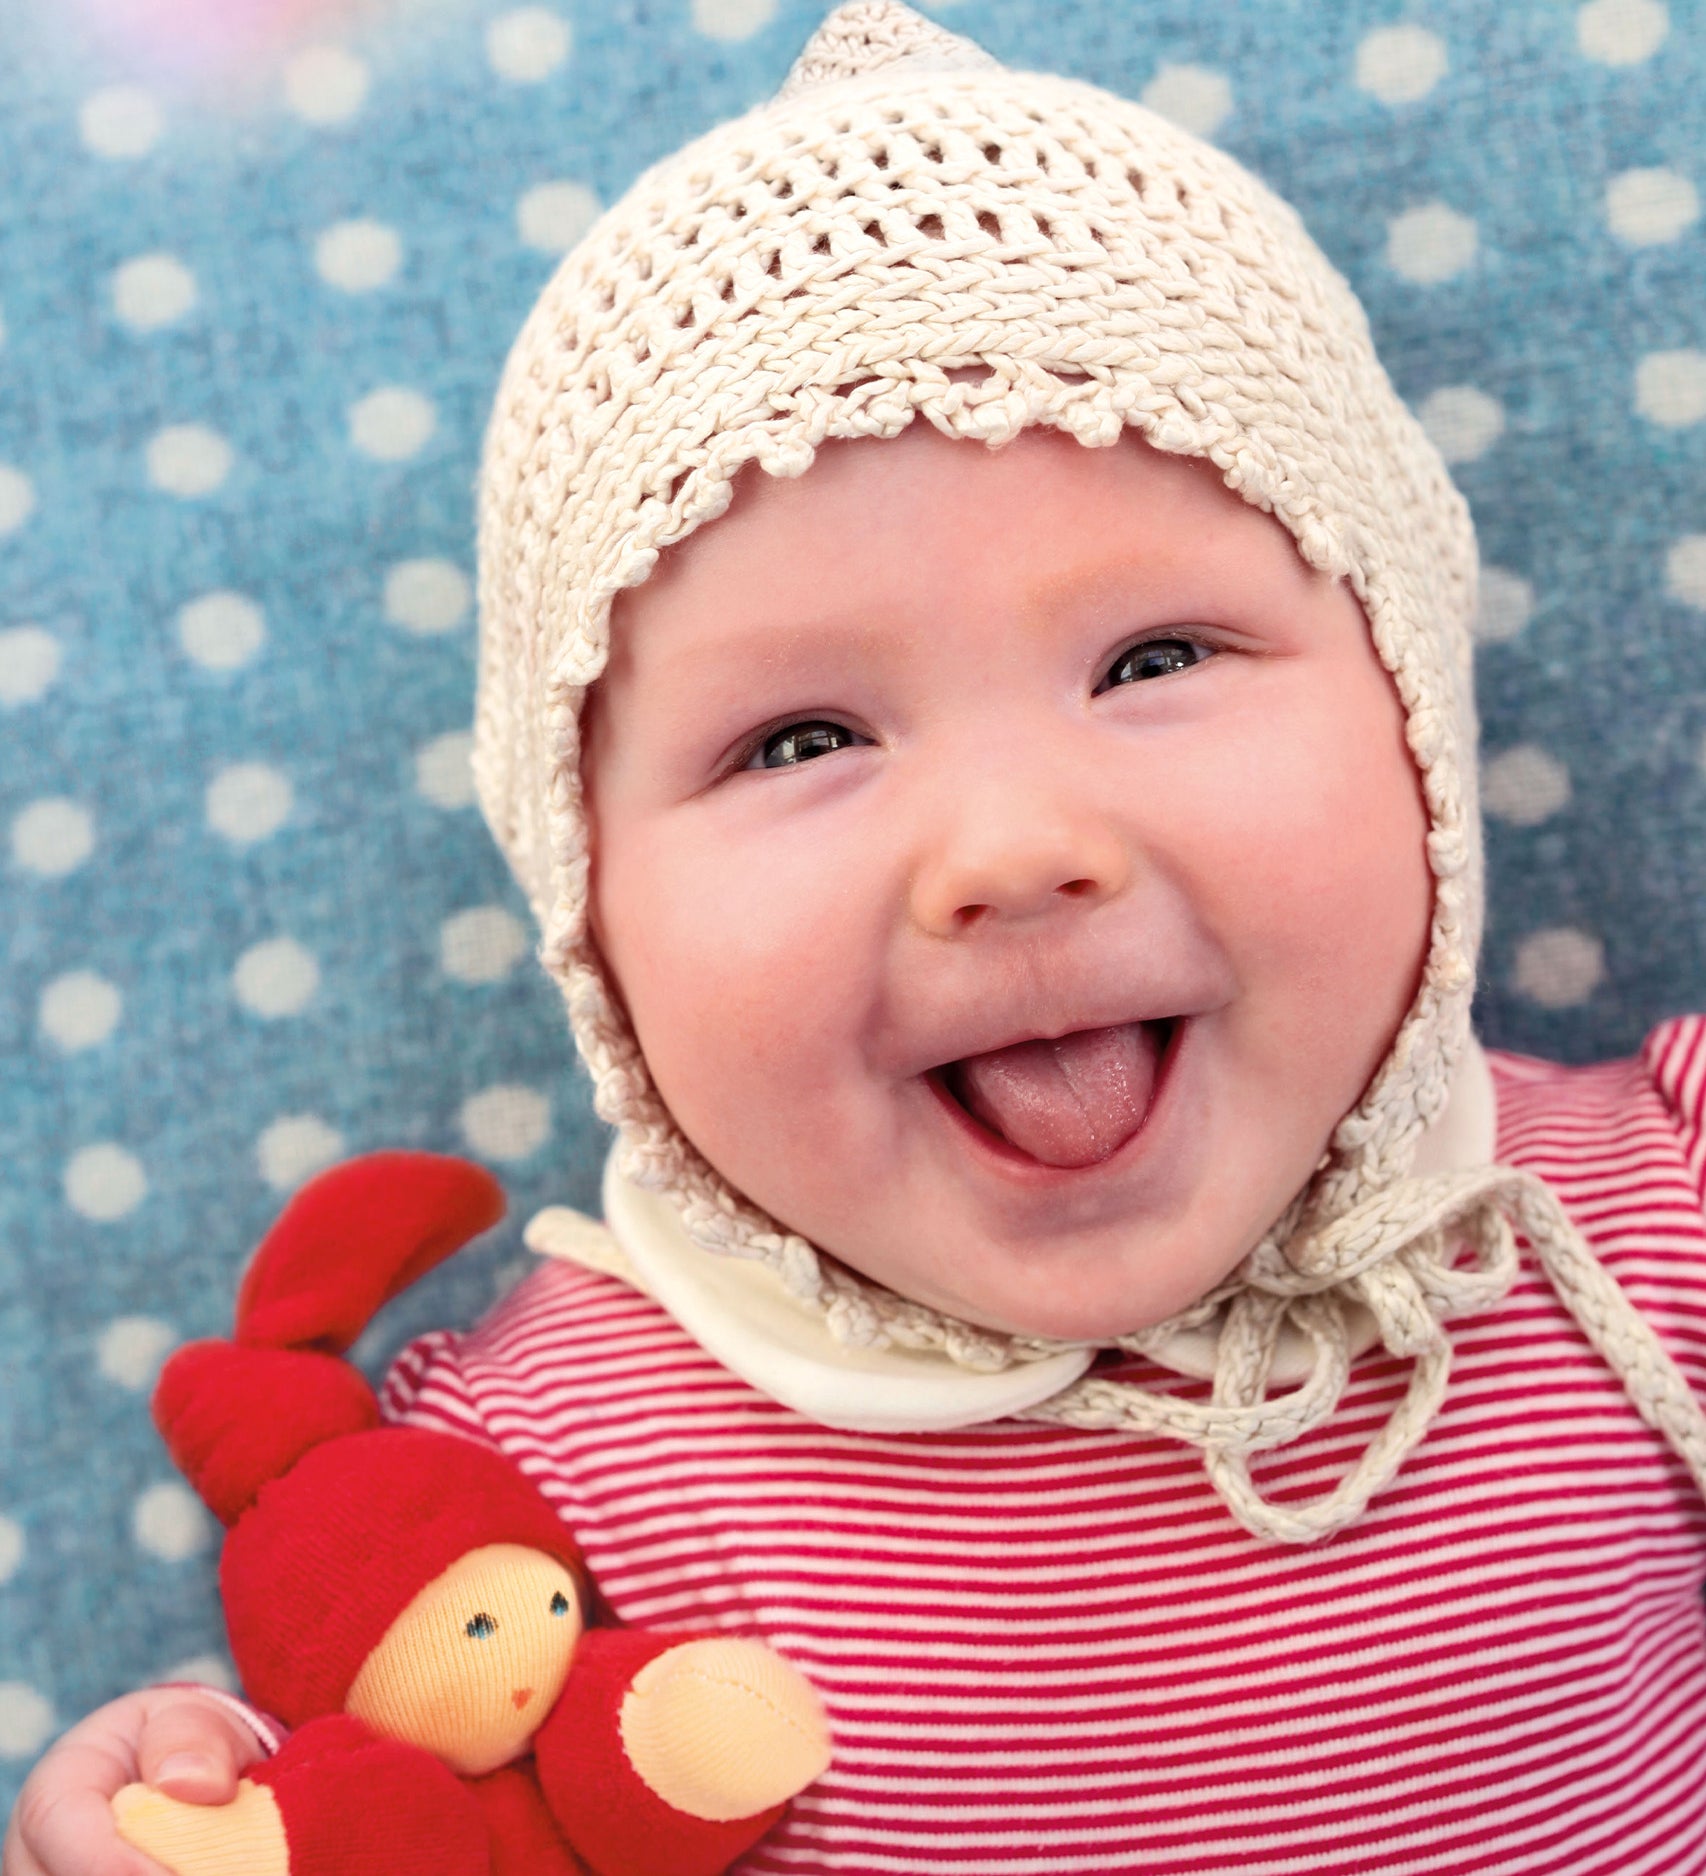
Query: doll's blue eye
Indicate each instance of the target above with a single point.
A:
(559, 1604)
(1155, 657)
(481, 1626)
(800, 742)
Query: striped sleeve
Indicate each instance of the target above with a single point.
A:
(426, 1387)
(1675, 1056)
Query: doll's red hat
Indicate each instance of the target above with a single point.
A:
(329, 1556)
(337, 1523)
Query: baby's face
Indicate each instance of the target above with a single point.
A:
(1011, 864)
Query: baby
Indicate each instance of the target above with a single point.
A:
(975, 685)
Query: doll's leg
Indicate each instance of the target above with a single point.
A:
(671, 1756)
(334, 1801)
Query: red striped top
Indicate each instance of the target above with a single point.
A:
(1053, 1651)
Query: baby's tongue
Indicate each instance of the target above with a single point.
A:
(1067, 1102)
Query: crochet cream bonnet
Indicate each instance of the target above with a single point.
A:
(840, 262)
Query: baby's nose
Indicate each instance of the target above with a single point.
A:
(1020, 866)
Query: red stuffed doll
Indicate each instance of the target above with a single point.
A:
(413, 1608)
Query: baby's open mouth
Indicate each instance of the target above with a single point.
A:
(1066, 1101)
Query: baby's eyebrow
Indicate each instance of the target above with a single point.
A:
(1197, 559)
(752, 646)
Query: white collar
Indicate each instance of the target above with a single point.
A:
(741, 1313)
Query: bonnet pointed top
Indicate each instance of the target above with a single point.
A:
(869, 36)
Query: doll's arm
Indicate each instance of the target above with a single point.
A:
(333, 1799)
(671, 1756)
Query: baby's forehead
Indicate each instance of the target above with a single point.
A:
(895, 516)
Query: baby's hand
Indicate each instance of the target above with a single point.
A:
(172, 1738)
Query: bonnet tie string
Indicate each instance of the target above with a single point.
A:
(1414, 1256)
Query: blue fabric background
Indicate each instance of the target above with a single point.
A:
(240, 854)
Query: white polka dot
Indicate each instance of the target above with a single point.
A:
(188, 459)
(1524, 786)
(442, 771)
(79, 1010)
(1559, 968)
(123, 120)
(1430, 243)
(152, 290)
(325, 84)
(12, 1547)
(29, 662)
(426, 595)
(358, 256)
(1398, 64)
(52, 837)
(169, 1521)
(1647, 207)
(527, 45)
(27, 1721)
(1505, 604)
(17, 498)
(248, 801)
(200, 1671)
(554, 216)
(732, 19)
(1192, 96)
(1685, 571)
(392, 424)
(1621, 32)
(480, 945)
(276, 978)
(131, 1350)
(1670, 387)
(295, 1146)
(1462, 423)
(221, 631)
(104, 1182)
(506, 1122)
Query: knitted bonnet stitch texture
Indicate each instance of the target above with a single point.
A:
(910, 231)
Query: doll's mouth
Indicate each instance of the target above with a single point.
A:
(1067, 1101)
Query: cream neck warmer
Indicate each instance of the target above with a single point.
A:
(907, 214)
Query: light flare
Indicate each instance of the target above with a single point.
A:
(207, 38)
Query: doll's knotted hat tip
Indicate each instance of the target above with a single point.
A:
(869, 36)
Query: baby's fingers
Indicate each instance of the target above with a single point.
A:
(63, 1824)
(193, 1750)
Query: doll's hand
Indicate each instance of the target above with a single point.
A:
(245, 1835)
(171, 1738)
(672, 1757)
(334, 1798)
(724, 1728)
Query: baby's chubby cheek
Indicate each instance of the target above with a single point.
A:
(753, 974)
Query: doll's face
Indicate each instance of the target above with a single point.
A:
(1011, 864)
(472, 1666)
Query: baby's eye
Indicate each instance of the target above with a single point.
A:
(559, 1604)
(1155, 657)
(481, 1626)
(799, 742)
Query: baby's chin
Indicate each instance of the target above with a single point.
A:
(1081, 1297)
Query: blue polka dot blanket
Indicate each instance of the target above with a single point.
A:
(259, 266)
